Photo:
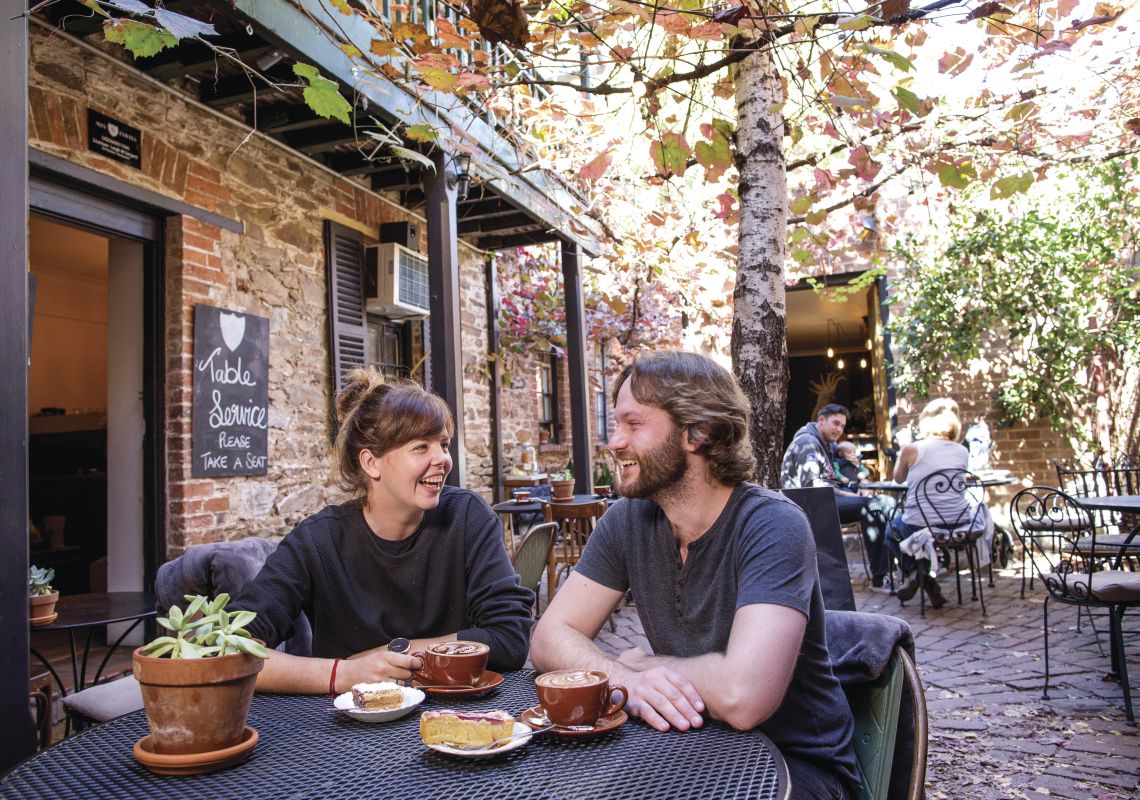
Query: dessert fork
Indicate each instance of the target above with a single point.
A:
(502, 741)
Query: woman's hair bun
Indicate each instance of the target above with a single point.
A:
(358, 385)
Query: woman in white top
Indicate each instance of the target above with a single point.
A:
(939, 427)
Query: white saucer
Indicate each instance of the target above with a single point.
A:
(513, 744)
(345, 705)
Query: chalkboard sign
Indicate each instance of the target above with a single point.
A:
(231, 393)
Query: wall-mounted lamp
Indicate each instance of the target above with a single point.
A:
(460, 179)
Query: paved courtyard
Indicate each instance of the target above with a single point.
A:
(991, 733)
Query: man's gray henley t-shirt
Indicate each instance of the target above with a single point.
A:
(760, 550)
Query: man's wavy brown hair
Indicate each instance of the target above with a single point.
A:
(703, 399)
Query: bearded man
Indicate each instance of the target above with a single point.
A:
(724, 575)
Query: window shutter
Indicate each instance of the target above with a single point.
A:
(348, 330)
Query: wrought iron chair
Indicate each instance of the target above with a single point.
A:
(1071, 572)
(529, 559)
(954, 529)
(575, 524)
(1078, 479)
(1122, 476)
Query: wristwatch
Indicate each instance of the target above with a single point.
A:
(399, 645)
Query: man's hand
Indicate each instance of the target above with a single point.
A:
(659, 695)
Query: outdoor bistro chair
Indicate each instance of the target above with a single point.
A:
(1070, 568)
(876, 707)
(953, 531)
(575, 524)
(529, 559)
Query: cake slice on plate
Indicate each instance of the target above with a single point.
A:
(377, 696)
(465, 728)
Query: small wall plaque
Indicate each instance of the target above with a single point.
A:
(114, 139)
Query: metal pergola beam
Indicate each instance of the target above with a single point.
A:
(444, 302)
(298, 26)
(576, 369)
(17, 734)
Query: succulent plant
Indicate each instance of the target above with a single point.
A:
(205, 629)
(39, 581)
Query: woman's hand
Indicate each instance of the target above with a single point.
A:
(376, 666)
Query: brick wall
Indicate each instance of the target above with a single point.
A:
(275, 269)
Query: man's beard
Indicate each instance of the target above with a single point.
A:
(659, 470)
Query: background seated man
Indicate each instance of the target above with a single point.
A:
(808, 461)
(724, 575)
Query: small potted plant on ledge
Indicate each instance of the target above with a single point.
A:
(562, 483)
(41, 596)
(197, 685)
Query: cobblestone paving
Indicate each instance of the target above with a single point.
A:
(991, 733)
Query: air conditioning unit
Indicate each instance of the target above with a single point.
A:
(395, 281)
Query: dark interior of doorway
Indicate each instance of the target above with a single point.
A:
(67, 425)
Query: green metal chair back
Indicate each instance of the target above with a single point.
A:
(875, 706)
(529, 559)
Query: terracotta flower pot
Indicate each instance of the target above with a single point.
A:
(41, 606)
(196, 705)
(562, 489)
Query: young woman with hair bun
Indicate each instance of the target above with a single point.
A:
(408, 557)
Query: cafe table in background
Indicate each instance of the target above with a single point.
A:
(90, 612)
(306, 749)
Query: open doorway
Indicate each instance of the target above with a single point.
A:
(836, 355)
(86, 425)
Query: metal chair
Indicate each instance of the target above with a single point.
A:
(531, 556)
(1078, 479)
(1071, 572)
(575, 524)
(956, 524)
(876, 707)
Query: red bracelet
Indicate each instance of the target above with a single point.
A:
(332, 678)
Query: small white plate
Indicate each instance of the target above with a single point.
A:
(345, 705)
(513, 744)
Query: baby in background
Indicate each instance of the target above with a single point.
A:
(847, 465)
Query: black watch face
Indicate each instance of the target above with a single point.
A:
(400, 645)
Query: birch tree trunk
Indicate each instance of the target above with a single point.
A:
(759, 325)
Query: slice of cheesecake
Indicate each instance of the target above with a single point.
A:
(377, 696)
(465, 728)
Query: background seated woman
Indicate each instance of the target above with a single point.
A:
(937, 449)
(408, 557)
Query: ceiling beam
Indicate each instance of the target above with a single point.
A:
(517, 240)
(241, 88)
(506, 223)
(484, 209)
(192, 57)
(323, 139)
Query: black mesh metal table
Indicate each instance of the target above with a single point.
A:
(307, 750)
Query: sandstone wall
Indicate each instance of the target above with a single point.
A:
(275, 269)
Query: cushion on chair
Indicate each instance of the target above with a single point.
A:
(1079, 522)
(209, 569)
(105, 701)
(1110, 585)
